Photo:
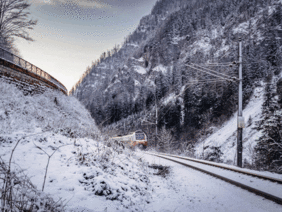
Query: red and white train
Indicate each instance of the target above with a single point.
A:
(137, 138)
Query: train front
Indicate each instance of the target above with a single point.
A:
(141, 139)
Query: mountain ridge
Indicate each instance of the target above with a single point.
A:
(154, 67)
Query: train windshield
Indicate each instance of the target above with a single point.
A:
(140, 136)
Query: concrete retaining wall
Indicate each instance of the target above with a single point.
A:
(25, 80)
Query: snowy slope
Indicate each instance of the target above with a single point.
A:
(87, 175)
(226, 136)
(50, 111)
(91, 177)
(84, 173)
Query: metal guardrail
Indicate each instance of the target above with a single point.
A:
(8, 56)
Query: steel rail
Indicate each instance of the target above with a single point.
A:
(243, 186)
(276, 180)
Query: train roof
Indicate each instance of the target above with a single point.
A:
(139, 131)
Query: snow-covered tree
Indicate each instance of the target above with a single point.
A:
(165, 140)
(269, 145)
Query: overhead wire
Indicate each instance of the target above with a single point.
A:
(191, 83)
(201, 82)
(204, 81)
(227, 63)
(225, 75)
(204, 71)
(207, 72)
(210, 72)
(225, 53)
(218, 64)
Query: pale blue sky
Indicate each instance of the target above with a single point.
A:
(70, 34)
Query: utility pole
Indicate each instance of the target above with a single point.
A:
(124, 128)
(156, 117)
(240, 120)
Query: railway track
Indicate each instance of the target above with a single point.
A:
(265, 186)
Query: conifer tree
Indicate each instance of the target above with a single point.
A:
(269, 146)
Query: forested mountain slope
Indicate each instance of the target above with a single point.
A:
(123, 88)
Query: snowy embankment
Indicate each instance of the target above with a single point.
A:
(50, 111)
(225, 138)
(83, 173)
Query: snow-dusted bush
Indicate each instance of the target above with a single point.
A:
(19, 194)
(50, 111)
(213, 153)
(165, 140)
(82, 165)
(115, 175)
(188, 149)
(83, 168)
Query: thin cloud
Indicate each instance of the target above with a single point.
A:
(82, 3)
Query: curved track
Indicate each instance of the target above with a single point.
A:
(226, 173)
(10, 62)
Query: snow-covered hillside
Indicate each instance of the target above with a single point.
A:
(91, 177)
(225, 137)
(54, 135)
(50, 111)
(87, 173)
(154, 67)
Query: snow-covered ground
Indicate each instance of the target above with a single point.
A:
(88, 175)
(190, 190)
(266, 186)
(140, 69)
(226, 136)
(83, 173)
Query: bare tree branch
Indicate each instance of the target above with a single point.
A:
(14, 21)
(49, 157)
(274, 142)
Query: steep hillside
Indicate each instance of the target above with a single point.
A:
(53, 151)
(152, 61)
(158, 67)
(219, 144)
(51, 111)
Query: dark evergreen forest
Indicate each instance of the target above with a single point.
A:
(153, 69)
